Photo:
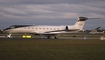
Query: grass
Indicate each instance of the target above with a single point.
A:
(26, 49)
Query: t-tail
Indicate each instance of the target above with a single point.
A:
(81, 21)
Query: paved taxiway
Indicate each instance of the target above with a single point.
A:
(62, 37)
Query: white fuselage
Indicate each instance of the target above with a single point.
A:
(39, 29)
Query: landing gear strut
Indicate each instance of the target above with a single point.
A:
(48, 37)
(55, 37)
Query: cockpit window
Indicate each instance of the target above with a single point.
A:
(17, 26)
(12, 27)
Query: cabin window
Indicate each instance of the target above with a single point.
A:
(39, 28)
(50, 28)
(47, 28)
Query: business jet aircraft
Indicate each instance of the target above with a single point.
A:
(47, 31)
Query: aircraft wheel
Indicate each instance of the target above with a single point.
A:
(48, 37)
(56, 37)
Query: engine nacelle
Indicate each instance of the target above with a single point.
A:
(67, 29)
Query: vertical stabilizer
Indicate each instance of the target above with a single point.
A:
(80, 22)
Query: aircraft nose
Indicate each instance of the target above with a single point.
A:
(5, 31)
(1, 31)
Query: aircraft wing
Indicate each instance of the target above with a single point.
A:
(57, 32)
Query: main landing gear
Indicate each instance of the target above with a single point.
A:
(49, 37)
